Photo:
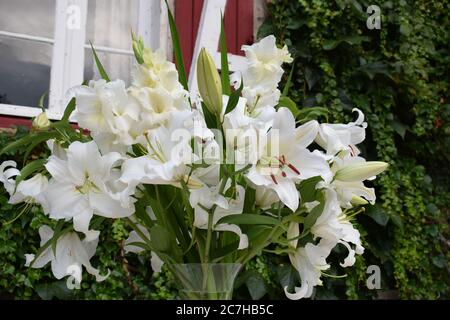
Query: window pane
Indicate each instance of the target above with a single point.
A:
(24, 71)
(109, 22)
(117, 66)
(31, 17)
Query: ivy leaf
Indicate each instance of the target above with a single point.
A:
(378, 215)
(256, 285)
(311, 77)
(287, 276)
(399, 127)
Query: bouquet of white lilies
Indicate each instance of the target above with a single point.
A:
(214, 176)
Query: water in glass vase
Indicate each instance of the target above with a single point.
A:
(206, 281)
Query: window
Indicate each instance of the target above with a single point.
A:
(49, 51)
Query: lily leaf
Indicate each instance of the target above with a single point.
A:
(177, 49)
(248, 218)
(100, 67)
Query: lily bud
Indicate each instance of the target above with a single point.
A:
(41, 122)
(360, 171)
(209, 84)
(358, 201)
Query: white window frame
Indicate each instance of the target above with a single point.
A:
(69, 50)
(208, 37)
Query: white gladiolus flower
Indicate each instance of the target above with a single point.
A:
(337, 137)
(262, 75)
(70, 252)
(105, 107)
(79, 187)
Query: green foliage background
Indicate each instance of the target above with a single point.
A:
(399, 76)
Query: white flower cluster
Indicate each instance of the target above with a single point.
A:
(150, 134)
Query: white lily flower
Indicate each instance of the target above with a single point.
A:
(285, 160)
(309, 261)
(206, 198)
(70, 252)
(333, 227)
(78, 188)
(31, 190)
(7, 173)
(337, 137)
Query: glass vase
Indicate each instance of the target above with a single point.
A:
(206, 281)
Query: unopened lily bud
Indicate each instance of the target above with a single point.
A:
(358, 201)
(360, 171)
(41, 122)
(209, 84)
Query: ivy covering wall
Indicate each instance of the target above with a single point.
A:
(399, 76)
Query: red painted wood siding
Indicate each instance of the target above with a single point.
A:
(10, 121)
(238, 25)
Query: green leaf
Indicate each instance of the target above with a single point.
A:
(288, 81)
(399, 127)
(57, 289)
(69, 109)
(224, 70)
(248, 218)
(177, 49)
(377, 213)
(312, 216)
(287, 276)
(351, 40)
(249, 201)
(308, 189)
(38, 139)
(210, 118)
(290, 104)
(29, 169)
(16, 144)
(311, 77)
(161, 239)
(234, 98)
(100, 68)
(256, 285)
